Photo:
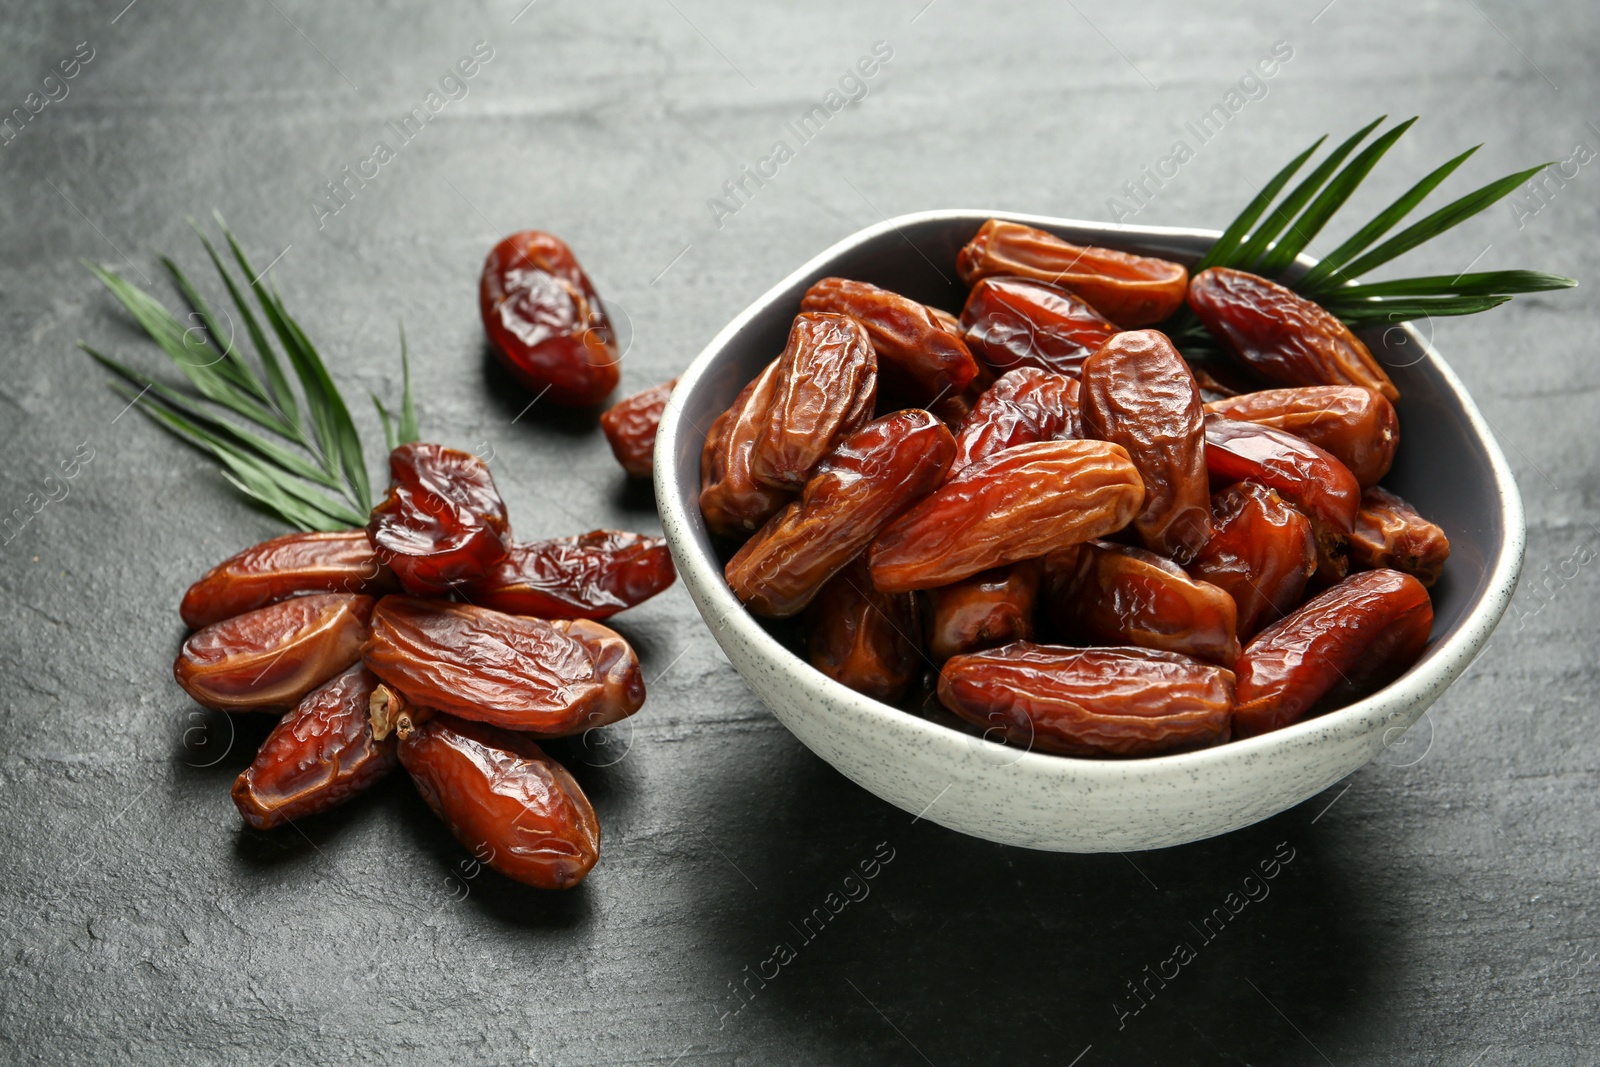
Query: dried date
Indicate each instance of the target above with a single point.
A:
(826, 387)
(731, 500)
(591, 576)
(1014, 322)
(1261, 553)
(1303, 474)
(1356, 426)
(630, 427)
(905, 335)
(443, 523)
(1022, 406)
(862, 638)
(291, 565)
(1389, 533)
(989, 609)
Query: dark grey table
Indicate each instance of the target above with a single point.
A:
(1439, 907)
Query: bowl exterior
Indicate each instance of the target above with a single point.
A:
(1448, 465)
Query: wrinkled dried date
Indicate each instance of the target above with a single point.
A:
(991, 608)
(731, 500)
(862, 638)
(1390, 533)
(1261, 552)
(873, 476)
(906, 335)
(1138, 393)
(1127, 289)
(550, 679)
(591, 576)
(513, 807)
(291, 565)
(1023, 405)
(1281, 334)
(630, 427)
(271, 657)
(826, 387)
(1361, 633)
(318, 756)
(1014, 322)
(1090, 701)
(1303, 474)
(443, 523)
(1356, 426)
(545, 322)
(1018, 504)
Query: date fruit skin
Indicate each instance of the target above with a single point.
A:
(291, 565)
(1261, 553)
(989, 609)
(590, 576)
(630, 427)
(1022, 503)
(871, 478)
(1389, 533)
(1356, 426)
(318, 756)
(1281, 334)
(732, 502)
(864, 639)
(512, 806)
(1303, 474)
(905, 335)
(545, 322)
(1129, 290)
(1014, 322)
(1091, 701)
(1121, 595)
(443, 523)
(1022, 406)
(269, 658)
(826, 388)
(1361, 633)
(1139, 393)
(550, 679)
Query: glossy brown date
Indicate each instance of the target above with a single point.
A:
(291, 565)
(873, 476)
(1281, 334)
(513, 807)
(1022, 503)
(1014, 322)
(731, 500)
(1303, 474)
(271, 657)
(1361, 633)
(318, 756)
(1138, 393)
(1261, 553)
(1389, 533)
(907, 336)
(591, 576)
(630, 428)
(1022, 406)
(1121, 595)
(551, 679)
(826, 387)
(1127, 289)
(545, 322)
(1090, 701)
(1356, 426)
(443, 523)
(989, 609)
(864, 639)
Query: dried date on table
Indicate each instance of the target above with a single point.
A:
(1356, 426)
(1360, 634)
(1023, 405)
(731, 500)
(443, 523)
(1138, 393)
(318, 756)
(1121, 595)
(591, 576)
(1127, 289)
(864, 639)
(269, 658)
(630, 427)
(905, 334)
(292, 565)
(1390, 533)
(826, 387)
(551, 679)
(545, 322)
(1022, 503)
(991, 608)
(1261, 553)
(1090, 701)
(1014, 322)
(873, 476)
(512, 806)
(1281, 334)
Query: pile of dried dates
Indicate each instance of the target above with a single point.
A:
(1038, 517)
(432, 639)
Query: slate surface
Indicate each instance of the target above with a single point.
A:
(1439, 907)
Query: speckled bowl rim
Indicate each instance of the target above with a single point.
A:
(1399, 704)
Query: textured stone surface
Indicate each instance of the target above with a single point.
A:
(1440, 911)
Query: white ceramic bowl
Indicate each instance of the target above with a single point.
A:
(1448, 465)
